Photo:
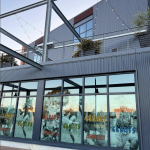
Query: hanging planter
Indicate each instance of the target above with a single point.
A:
(87, 47)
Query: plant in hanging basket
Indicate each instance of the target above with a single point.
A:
(87, 47)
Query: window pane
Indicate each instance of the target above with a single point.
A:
(75, 40)
(83, 35)
(121, 83)
(50, 119)
(73, 86)
(71, 119)
(95, 120)
(95, 84)
(90, 33)
(122, 89)
(10, 89)
(82, 28)
(123, 78)
(28, 88)
(53, 87)
(123, 122)
(25, 117)
(90, 25)
(8, 106)
(77, 29)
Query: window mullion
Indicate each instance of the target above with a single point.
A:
(61, 105)
(108, 120)
(15, 115)
(82, 134)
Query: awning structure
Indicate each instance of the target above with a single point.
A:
(50, 5)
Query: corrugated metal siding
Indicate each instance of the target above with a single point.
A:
(127, 62)
(107, 20)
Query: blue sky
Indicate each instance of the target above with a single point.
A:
(36, 17)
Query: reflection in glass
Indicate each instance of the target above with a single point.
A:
(25, 117)
(71, 119)
(90, 25)
(90, 33)
(123, 122)
(10, 89)
(7, 112)
(28, 88)
(82, 28)
(95, 120)
(122, 89)
(121, 78)
(77, 29)
(73, 86)
(95, 84)
(53, 87)
(83, 35)
(50, 119)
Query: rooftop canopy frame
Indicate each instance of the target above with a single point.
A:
(50, 5)
(19, 56)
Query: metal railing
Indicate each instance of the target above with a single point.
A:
(110, 42)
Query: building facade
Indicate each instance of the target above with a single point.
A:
(95, 102)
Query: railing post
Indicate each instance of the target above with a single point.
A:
(104, 42)
(63, 54)
(47, 29)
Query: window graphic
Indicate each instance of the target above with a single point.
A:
(96, 110)
(95, 120)
(25, 117)
(50, 119)
(123, 122)
(71, 119)
(7, 112)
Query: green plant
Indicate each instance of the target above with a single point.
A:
(86, 45)
(141, 19)
(7, 58)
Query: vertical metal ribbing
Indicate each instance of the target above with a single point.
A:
(82, 133)
(13, 131)
(138, 110)
(47, 29)
(108, 120)
(61, 105)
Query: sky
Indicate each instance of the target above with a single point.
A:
(36, 17)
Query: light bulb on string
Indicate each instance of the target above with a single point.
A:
(123, 24)
(112, 9)
(106, 0)
(117, 17)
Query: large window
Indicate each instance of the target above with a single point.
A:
(85, 30)
(96, 111)
(17, 109)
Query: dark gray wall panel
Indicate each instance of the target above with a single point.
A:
(139, 61)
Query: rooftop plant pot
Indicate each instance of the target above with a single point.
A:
(87, 47)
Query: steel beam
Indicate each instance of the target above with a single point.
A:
(23, 9)
(59, 13)
(19, 41)
(19, 56)
(47, 30)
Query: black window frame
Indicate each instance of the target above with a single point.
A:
(68, 145)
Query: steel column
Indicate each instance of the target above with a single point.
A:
(47, 29)
(19, 56)
(59, 13)
(19, 41)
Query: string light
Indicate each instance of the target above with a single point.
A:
(27, 23)
(116, 13)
